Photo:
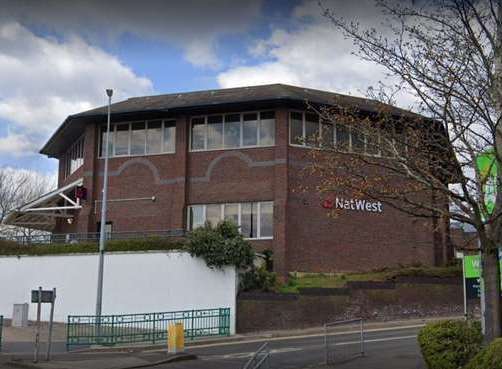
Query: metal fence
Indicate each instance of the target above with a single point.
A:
(1, 328)
(260, 359)
(337, 352)
(94, 237)
(86, 330)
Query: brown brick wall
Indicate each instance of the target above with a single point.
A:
(269, 311)
(305, 239)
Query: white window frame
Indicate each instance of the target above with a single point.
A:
(241, 139)
(239, 216)
(129, 123)
(74, 151)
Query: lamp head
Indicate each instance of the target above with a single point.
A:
(109, 92)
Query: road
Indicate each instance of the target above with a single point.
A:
(390, 349)
(387, 348)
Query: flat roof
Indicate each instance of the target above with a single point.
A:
(177, 102)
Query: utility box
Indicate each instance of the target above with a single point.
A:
(20, 315)
(176, 338)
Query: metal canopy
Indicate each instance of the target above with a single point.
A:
(42, 213)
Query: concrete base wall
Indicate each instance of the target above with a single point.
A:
(133, 283)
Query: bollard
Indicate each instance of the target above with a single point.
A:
(176, 338)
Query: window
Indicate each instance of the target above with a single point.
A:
(230, 131)
(196, 216)
(373, 144)
(231, 212)
(304, 129)
(213, 214)
(154, 137)
(327, 134)
(255, 219)
(169, 144)
(198, 133)
(250, 130)
(312, 128)
(214, 132)
(296, 129)
(73, 158)
(249, 220)
(103, 142)
(267, 219)
(139, 138)
(358, 141)
(342, 141)
(121, 139)
(267, 128)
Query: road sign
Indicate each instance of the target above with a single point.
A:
(43, 296)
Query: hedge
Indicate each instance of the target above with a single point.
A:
(10, 248)
(450, 344)
(488, 358)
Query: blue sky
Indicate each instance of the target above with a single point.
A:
(57, 58)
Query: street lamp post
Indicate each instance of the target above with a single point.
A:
(102, 239)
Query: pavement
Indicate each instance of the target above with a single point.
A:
(389, 345)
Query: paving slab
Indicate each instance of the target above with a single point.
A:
(97, 360)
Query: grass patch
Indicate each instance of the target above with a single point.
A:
(9, 248)
(339, 280)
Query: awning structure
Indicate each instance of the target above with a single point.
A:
(42, 213)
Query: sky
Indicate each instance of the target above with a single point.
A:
(58, 57)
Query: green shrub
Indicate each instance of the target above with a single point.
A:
(146, 244)
(221, 245)
(258, 280)
(488, 358)
(449, 344)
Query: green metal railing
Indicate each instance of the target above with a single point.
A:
(1, 326)
(86, 330)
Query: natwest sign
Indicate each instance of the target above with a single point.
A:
(353, 204)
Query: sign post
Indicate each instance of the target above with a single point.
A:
(43, 297)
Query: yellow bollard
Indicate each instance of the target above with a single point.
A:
(176, 338)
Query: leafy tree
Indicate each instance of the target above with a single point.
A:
(221, 245)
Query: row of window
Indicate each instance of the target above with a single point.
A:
(74, 157)
(230, 131)
(236, 130)
(139, 138)
(307, 129)
(255, 219)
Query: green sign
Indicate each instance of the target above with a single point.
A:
(472, 273)
(488, 171)
(472, 266)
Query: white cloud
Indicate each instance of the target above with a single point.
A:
(44, 80)
(192, 25)
(313, 54)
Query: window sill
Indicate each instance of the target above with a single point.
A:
(234, 148)
(137, 156)
(339, 151)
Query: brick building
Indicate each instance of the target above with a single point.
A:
(178, 160)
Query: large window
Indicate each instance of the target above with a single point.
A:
(74, 157)
(255, 219)
(139, 138)
(230, 131)
(308, 130)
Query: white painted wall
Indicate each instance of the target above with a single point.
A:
(133, 283)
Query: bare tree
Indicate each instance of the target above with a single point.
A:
(447, 55)
(18, 187)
